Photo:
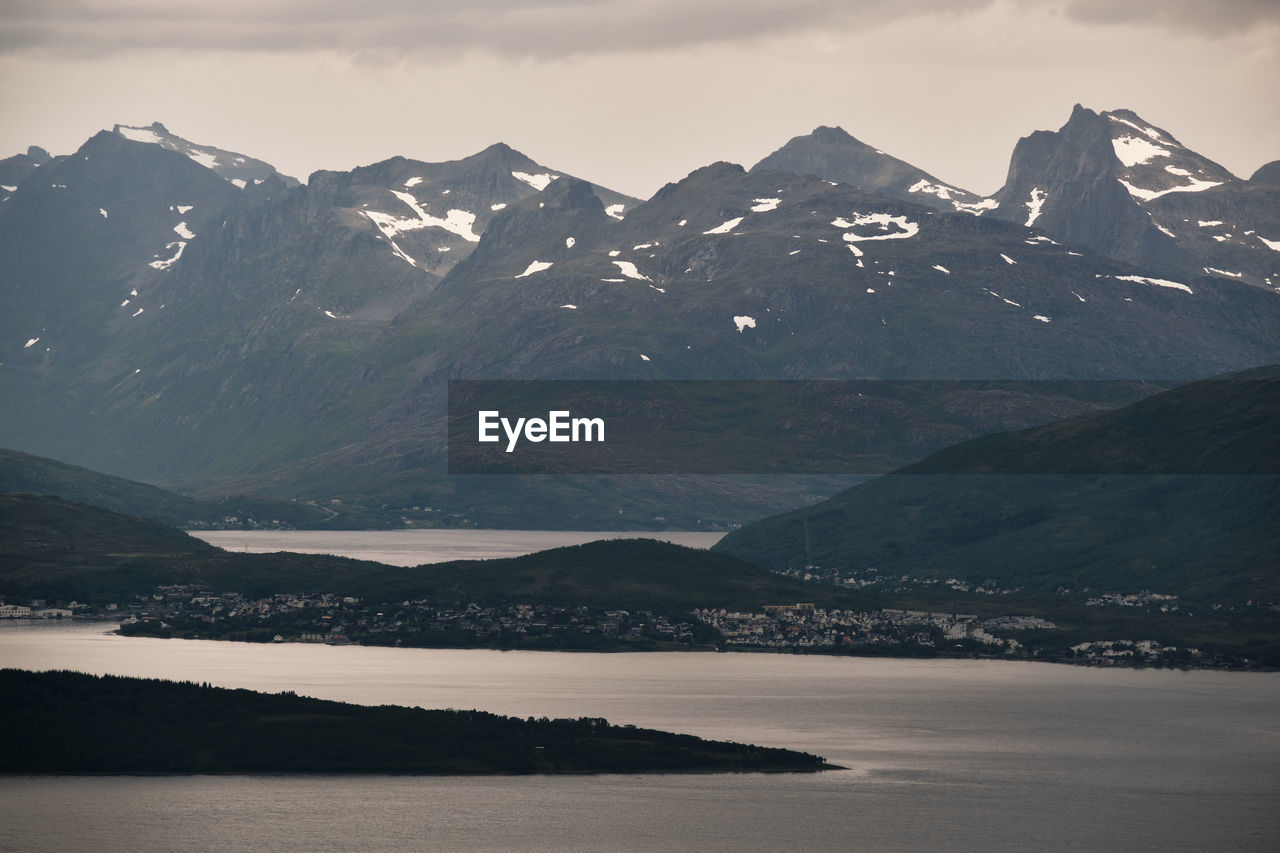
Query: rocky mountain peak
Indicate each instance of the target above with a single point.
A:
(238, 169)
(832, 154)
(1066, 182)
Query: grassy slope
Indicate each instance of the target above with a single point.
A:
(1126, 500)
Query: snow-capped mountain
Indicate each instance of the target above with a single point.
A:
(88, 241)
(239, 169)
(832, 154)
(430, 216)
(1122, 186)
(296, 339)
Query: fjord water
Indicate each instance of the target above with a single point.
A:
(954, 755)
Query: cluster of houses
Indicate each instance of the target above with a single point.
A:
(194, 610)
(1165, 602)
(1131, 651)
(335, 619)
(874, 578)
(804, 625)
(38, 610)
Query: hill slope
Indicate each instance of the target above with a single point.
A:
(22, 472)
(1177, 494)
(58, 550)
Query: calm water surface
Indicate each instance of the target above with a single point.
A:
(418, 547)
(942, 755)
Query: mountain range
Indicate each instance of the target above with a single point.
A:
(179, 313)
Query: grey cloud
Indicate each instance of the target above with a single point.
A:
(1209, 17)
(545, 28)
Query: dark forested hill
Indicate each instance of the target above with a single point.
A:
(65, 722)
(1178, 493)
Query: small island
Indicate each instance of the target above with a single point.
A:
(67, 722)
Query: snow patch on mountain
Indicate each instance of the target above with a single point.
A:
(905, 227)
(1002, 299)
(629, 270)
(459, 222)
(165, 264)
(412, 182)
(183, 231)
(1007, 259)
(204, 158)
(764, 205)
(615, 210)
(940, 268)
(1132, 151)
(538, 182)
(103, 212)
(1148, 280)
(239, 182)
(940, 190)
(725, 227)
(1035, 204)
(401, 253)
(140, 134)
(1042, 318)
(743, 321)
(977, 208)
(1150, 132)
(1228, 274)
(536, 266)
(1196, 185)
(569, 242)
(30, 343)
(570, 306)
(1273, 245)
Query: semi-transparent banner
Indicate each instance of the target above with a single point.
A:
(841, 427)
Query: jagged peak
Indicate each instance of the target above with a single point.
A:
(1080, 111)
(830, 133)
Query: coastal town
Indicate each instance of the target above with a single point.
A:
(193, 611)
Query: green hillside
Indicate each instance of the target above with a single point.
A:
(1176, 494)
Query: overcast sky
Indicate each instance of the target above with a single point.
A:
(635, 93)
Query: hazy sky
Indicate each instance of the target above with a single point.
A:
(635, 93)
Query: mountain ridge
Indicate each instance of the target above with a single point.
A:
(294, 338)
